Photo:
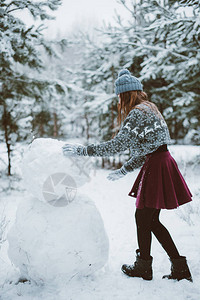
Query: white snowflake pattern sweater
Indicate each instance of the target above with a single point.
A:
(143, 132)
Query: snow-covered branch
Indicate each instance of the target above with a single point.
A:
(156, 48)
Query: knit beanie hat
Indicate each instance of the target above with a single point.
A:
(126, 82)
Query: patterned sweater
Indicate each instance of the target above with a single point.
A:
(143, 132)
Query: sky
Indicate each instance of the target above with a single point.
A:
(84, 14)
(73, 15)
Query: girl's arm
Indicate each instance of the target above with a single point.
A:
(121, 142)
(129, 166)
(134, 163)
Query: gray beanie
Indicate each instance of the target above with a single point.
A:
(126, 82)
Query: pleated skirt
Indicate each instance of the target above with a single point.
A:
(160, 183)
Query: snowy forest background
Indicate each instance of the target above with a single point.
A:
(64, 88)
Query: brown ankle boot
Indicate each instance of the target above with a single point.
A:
(141, 268)
(179, 269)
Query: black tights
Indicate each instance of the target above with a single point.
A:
(147, 221)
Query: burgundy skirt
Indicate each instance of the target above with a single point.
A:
(160, 184)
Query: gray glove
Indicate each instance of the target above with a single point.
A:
(73, 150)
(115, 175)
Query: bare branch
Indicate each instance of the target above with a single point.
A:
(17, 8)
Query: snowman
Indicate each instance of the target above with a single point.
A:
(58, 233)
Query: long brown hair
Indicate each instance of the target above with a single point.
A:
(130, 100)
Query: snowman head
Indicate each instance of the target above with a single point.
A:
(52, 177)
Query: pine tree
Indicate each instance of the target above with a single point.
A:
(163, 40)
(21, 46)
(170, 70)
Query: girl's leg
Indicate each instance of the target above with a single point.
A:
(163, 236)
(179, 266)
(142, 267)
(144, 219)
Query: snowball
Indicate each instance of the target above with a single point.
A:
(53, 244)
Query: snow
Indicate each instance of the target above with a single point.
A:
(117, 211)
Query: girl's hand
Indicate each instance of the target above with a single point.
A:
(73, 150)
(115, 175)
(69, 150)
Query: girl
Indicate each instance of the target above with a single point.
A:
(159, 184)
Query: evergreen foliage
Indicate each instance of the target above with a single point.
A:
(160, 45)
(21, 46)
(73, 96)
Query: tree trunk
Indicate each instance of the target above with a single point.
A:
(55, 124)
(87, 127)
(87, 122)
(175, 130)
(112, 104)
(102, 163)
(113, 163)
(41, 129)
(6, 135)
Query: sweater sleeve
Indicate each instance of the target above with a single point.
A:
(123, 140)
(134, 163)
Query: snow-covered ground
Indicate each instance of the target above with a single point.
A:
(117, 210)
